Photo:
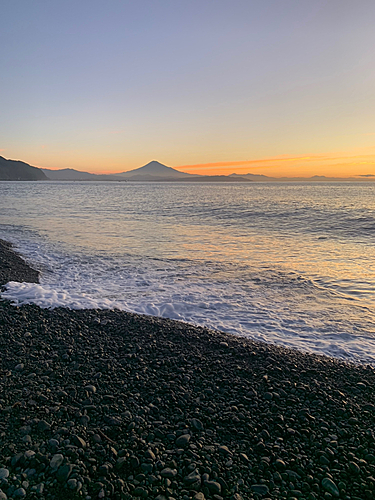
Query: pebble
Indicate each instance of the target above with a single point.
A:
(77, 440)
(4, 473)
(90, 388)
(261, 489)
(183, 440)
(56, 461)
(213, 486)
(53, 443)
(140, 492)
(72, 483)
(64, 472)
(168, 472)
(193, 477)
(330, 486)
(197, 424)
(19, 493)
(224, 450)
(29, 454)
(354, 468)
(150, 454)
(44, 426)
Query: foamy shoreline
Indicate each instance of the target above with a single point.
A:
(108, 404)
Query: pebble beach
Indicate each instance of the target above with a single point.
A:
(101, 404)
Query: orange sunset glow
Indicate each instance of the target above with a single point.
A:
(330, 165)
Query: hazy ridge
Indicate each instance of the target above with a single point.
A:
(154, 171)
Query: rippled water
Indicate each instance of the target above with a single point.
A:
(286, 263)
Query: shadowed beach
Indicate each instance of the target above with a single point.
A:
(108, 404)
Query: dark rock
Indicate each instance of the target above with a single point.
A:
(64, 472)
(330, 486)
(183, 441)
(44, 426)
(168, 472)
(260, 489)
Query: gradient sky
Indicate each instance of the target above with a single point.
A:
(275, 87)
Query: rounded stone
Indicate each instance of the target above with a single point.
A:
(19, 493)
(72, 483)
(4, 473)
(90, 388)
(330, 486)
(260, 489)
(354, 468)
(56, 461)
(214, 487)
(168, 472)
(280, 464)
(183, 440)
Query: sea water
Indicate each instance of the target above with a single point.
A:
(287, 263)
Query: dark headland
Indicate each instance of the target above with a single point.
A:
(106, 404)
(14, 170)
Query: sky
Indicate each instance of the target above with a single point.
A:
(274, 87)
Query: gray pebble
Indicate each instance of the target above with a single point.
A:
(4, 473)
(56, 461)
(19, 493)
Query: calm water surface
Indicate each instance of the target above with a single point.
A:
(292, 264)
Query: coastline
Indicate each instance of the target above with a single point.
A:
(109, 404)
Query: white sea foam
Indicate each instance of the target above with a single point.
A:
(47, 297)
(294, 267)
(240, 308)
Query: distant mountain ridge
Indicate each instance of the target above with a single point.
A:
(14, 170)
(70, 174)
(154, 171)
(67, 174)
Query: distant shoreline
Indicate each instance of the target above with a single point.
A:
(154, 171)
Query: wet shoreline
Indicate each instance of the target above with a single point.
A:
(108, 404)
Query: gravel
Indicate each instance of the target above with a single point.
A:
(107, 404)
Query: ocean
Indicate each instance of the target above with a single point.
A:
(286, 263)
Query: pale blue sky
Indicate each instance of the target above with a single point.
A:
(97, 85)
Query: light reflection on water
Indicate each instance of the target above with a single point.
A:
(279, 259)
